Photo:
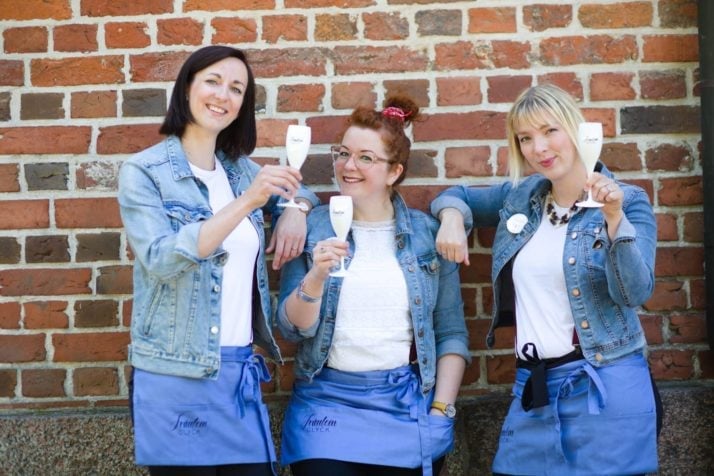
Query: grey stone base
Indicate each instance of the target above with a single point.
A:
(100, 443)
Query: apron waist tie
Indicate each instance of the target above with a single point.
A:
(535, 390)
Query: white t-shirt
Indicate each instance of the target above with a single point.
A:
(543, 311)
(242, 247)
(373, 328)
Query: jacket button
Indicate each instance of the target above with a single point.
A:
(574, 235)
(598, 245)
(214, 330)
(216, 288)
(598, 356)
(576, 292)
(411, 269)
(584, 324)
(400, 244)
(571, 260)
(433, 266)
(597, 230)
(424, 360)
(417, 300)
(420, 333)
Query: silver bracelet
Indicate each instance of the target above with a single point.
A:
(305, 297)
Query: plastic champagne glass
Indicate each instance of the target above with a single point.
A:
(297, 144)
(589, 146)
(341, 220)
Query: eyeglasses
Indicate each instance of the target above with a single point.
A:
(363, 160)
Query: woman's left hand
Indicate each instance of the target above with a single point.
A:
(606, 191)
(288, 238)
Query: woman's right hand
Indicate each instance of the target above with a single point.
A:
(451, 240)
(272, 180)
(326, 255)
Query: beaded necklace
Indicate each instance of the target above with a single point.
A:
(552, 213)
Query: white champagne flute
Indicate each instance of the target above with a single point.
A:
(341, 220)
(589, 147)
(297, 144)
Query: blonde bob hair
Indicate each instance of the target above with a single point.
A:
(535, 107)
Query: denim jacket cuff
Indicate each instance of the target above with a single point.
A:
(625, 230)
(445, 201)
(453, 346)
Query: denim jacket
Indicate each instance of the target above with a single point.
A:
(433, 287)
(175, 322)
(606, 279)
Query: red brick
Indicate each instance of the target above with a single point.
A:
(468, 162)
(470, 297)
(335, 27)
(492, 20)
(501, 369)
(597, 49)
(679, 261)
(667, 227)
(693, 229)
(677, 13)
(604, 115)
(472, 374)
(103, 8)
(24, 214)
(93, 104)
(670, 49)
(46, 315)
(95, 381)
(90, 346)
(502, 161)
(11, 73)
(43, 383)
(300, 98)
(621, 157)
(671, 364)
(35, 10)
(22, 348)
(45, 140)
(285, 28)
(670, 84)
(115, 280)
(544, 17)
(419, 196)
(422, 165)
(45, 282)
(73, 38)
(669, 157)
(668, 295)
(652, 325)
(506, 88)
(417, 89)
(77, 71)
(126, 35)
(29, 39)
(510, 54)
(680, 191)
(383, 26)
(8, 382)
(98, 212)
(617, 15)
(462, 126)
(9, 315)
(459, 91)
(326, 129)
(230, 5)
(378, 59)
(179, 31)
(331, 3)
(569, 82)
(611, 86)
(479, 272)
(127, 139)
(163, 66)
(9, 178)
(461, 55)
(688, 328)
(645, 185)
(353, 94)
(274, 63)
(234, 30)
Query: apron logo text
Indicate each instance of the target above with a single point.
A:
(186, 426)
(316, 424)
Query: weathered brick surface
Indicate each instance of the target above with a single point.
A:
(83, 85)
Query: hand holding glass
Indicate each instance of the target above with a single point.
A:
(589, 146)
(341, 220)
(297, 143)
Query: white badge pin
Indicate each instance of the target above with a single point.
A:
(516, 223)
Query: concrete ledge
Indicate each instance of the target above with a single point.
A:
(100, 443)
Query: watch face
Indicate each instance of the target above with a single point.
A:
(450, 411)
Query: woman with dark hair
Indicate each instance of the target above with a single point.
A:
(192, 207)
(381, 352)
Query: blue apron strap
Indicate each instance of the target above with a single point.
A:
(597, 395)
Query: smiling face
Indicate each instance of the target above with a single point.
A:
(547, 148)
(366, 185)
(216, 95)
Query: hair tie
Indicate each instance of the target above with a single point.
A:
(397, 112)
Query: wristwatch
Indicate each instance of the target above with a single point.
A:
(446, 408)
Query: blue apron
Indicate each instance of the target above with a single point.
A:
(598, 421)
(201, 422)
(378, 417)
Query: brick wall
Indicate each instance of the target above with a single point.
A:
(85, 83)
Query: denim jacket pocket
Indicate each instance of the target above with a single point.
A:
(181, 214)
(430, 268)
